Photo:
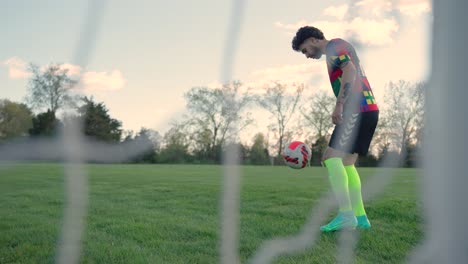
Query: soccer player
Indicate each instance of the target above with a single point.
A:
(355, 117)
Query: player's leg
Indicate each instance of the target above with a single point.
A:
(355, 194)
(333, 160)
(341, 143)
(367, 128)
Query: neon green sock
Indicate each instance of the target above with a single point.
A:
(339, 182)
(354, 183)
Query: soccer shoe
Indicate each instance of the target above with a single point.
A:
(363, 222)
(344, 220)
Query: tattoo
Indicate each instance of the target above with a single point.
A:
(346, 88)
(342, 98)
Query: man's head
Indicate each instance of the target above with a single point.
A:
(309, 41)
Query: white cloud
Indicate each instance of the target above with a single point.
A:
(405, 7)
(102, 81)
(376, 8)
(280, 72)
(377, 32)
(371, 22)
(414, 7)
(17, 68)
(73, 70)
(90, 81)
(291, 75)
(310, 74)
(336, 11)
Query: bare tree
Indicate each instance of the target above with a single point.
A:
(403, 112)
(282, 106)
(316, 118)
(50, 88)
(382, 142)
(215, 111)
(317, 113)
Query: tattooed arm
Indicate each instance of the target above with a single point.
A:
(347, 81)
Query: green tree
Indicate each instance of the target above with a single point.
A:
(50, 88)
(369, 160)
(152, 140)
(202, 149)
(97, 123)
(318, 148)
(15, 120)
(258, 154)
(176, 145)
(127, 135)
(413, 155)
(45, 124)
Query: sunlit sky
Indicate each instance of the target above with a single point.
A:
(147, 54)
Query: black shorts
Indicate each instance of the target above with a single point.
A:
(355, 133)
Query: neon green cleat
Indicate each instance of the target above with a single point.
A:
(363, 222)
(344, 220)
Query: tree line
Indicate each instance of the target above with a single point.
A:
(215, 117)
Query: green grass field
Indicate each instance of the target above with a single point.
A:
(170, 214)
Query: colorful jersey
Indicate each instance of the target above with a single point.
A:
(339, 51)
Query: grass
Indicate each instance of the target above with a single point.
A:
(170, 214)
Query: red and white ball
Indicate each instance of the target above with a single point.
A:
(297, 155)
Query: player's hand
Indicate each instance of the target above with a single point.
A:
(337, 116)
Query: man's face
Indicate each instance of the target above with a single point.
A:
(310, 48)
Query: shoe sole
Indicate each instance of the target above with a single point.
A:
(339, 228)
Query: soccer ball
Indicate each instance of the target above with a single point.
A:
(297, 155)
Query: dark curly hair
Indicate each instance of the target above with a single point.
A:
(304, 33)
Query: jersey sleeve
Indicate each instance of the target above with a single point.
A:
(339, 53)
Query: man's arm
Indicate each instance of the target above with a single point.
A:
(347, 81)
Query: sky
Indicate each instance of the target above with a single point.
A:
(146, 54)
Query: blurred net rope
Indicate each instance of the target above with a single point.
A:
(444, 180)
